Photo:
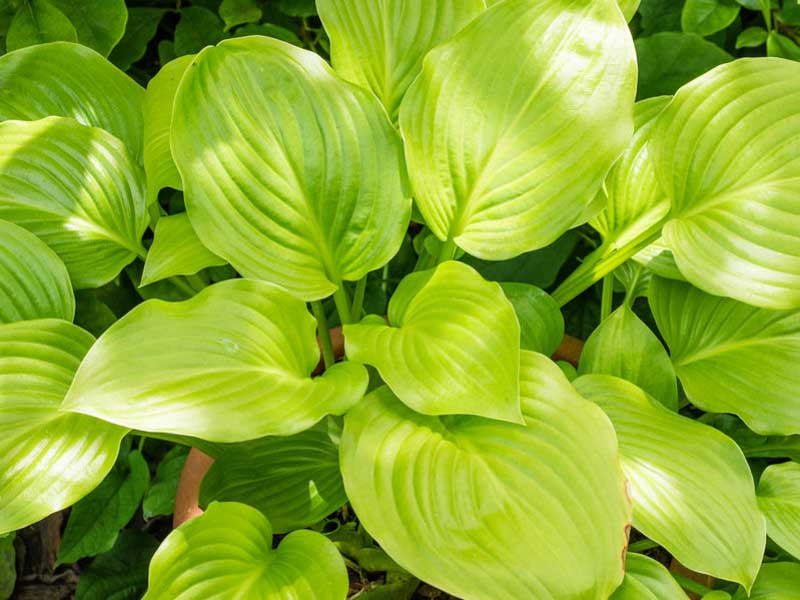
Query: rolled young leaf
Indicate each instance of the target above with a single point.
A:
(451, 345)
(87, 202)
(647, 579)
(512, 126)
(292, 174)
(50, 459)
(231, 364)
(486, 509)
(34, 283)
(671, 463)
(735, 227)
(380, 45)
(779, 499)
(732, 357)
(227, 553)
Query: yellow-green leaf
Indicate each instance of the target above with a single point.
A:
(779, 499)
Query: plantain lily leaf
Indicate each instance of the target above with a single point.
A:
(635, 280)
(380, 45)
(451, 345)
(227, 553)
(629, 8)
(708, 16)
(50, 459)
(295, 480)
(540, 320)
(37, 22)
(658, 258)
(735, 229)
(88, 207)
(779, 499)
(732, 357)
(176, 250)
(776, 581)
(511, 126)
(647, 579)
(671, 463)
(80, 84)
(34, 283)
(100, 24)
(485, 509)
(231, 364)
(625, 347)
(292, 175)
(157, 106)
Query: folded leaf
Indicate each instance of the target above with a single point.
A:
(511, 126)
(87, 202)
(80, 84)
(176, 250)
(540, 320)
(50, 459)
(451, 345)
(292, 175)
(779, 499)
(735, 229)
(380, 45)
(647, 579)
(776, 581)
(671, 463)
(227, 553)
(34, 283)
(231, 364)
(294, 480)
(99, 23)
(732, 357)
(485, 509)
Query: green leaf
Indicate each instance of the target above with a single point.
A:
(625, 347)
(95, 520)
(629, 8)
(782, 46)
(95, 93)
(89, 209)
(451, 345)
(668, 60)
(37, 22)
(140, 29)
(779, 499)
(294, 480)
(8, 568)
(672, 463)
(482, 508)
(51, 459)
(120, 573)
(752, 37)
(541, 323)
(635, 281)
(297, 8)
(659, 260)
(227, 553)
(100, 24)
(237, 12)
(303, 193)
(732, 357)
(790, 13)
(197, 28)
(735, 229)
(160, 496)
(270, 30)
(776, 581)
(647, 579)
(176, 250)
(660, 15)
(512, 126)
(380, 45)
(34, 283)
(705, 17)
(231, 364)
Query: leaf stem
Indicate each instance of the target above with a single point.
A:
(358, 298)
(324, 333)
(642, 545)
(690, 584)
(447, 252)
(342, 301)
(607, 299)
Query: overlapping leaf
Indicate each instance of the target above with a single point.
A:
(98, 23)
(779, 500)
(647, 579)
(776, 581)
(541, 323)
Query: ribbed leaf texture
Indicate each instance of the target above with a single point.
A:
(779, 499)
(647, 579)
(776, 581)
(541, 324)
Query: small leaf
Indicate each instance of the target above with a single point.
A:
(160, 496)
(227, 553)
(647, 579)
(89, 209)
(100, 24)
(297, 8)
(752, 37)
(35, 283)
(782, 46)
(37, 22)
(140, 29)
(294, 480)
(776, 581)
(95, 520)
(197, 28)
(705, 17)
(540, 320)
(671, 463)
(231, 364)
(451, 345)
(779, 499)
(237, 12)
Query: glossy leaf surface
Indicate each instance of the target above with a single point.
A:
(779, 499)
(776, 581)
(647, 579)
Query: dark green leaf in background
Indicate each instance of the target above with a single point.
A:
(540, 320)
(782, 46)
(141, 27)
(237, 12)
(297, 8)
(660, 15)
(198, 28)
(160, 497)
(37, 22)
(100, 24)
(752, 37)
(708, 16)
(8, 569)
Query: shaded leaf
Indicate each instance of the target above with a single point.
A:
(782, 46)
(100, 24)
(37, 22)
(779, 499)
(8, 569)
(541, 323)
(237, 12)
(140, 29)
(752, 37)
(708, 16)
(198, 27)
(160, 496)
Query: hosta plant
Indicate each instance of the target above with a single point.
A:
(444, 433)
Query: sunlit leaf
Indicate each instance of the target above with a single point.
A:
(37, 22)
(708, 16)
(779, 499)
(647, 579)
(657, 257)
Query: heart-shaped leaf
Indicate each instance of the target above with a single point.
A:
(78, 189)
(735, 229)
(380, 45)
(779, 499)
(292, 175)
(227, 553)
(671, 463)
(451, 345)
(231, 364)
(647, 579)
(34, 283)
(732, 357)
(486, 509)
(512, 125)
(50, 459)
